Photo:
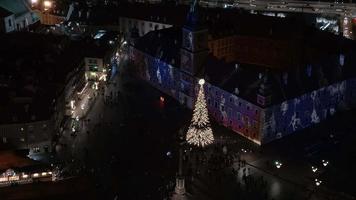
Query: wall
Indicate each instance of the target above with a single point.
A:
(6, 26)
(24, 20)
(249, 120)
(50, 19)
(233, 112)
(311, 108)
(225, 108)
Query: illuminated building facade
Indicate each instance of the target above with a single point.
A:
(261, 97)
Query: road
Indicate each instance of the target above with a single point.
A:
(125, 138)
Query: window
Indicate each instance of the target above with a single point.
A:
(93, 68)
(209, 102)
(248, 107)
(238, 116)
(10, 23)
(230, 99)
(239, 103)
(223, 108)
(247, 120)
(254, 124)
(150, 25)
(256, 111)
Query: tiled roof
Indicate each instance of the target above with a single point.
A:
(4, 12)
(18, 7)
(164, 44)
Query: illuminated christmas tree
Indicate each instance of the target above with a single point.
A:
(200, 133)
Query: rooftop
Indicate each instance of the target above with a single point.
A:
(34, 70)
(308, 47)
(4, 12)
(18, 7)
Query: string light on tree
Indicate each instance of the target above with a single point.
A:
(200, 133)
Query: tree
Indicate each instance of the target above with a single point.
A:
(199, 132)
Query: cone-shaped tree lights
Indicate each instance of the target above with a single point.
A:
(199, 132)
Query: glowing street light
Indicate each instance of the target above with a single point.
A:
(278, 164)
(325, 163)
(47, 4)
(317, 182)
(72, 104)
(161, 99)
(34, 1)
(314, 169)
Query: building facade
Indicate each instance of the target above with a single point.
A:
(259, 118)
(23, 15)
(7, 21)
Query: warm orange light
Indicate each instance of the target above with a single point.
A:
(47, 4)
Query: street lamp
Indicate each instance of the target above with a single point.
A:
(325, 163)
(179, 191)
(47, 4)
(317, 182)
(278, 164)
(314, 169)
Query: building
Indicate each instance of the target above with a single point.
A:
(23, 17)
(16, 168)
(39, 76)
(100, 55)
(263, 82)
(7, 19)
(124, 18)
(51, 12)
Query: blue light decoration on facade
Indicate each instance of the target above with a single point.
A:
(261, 125)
